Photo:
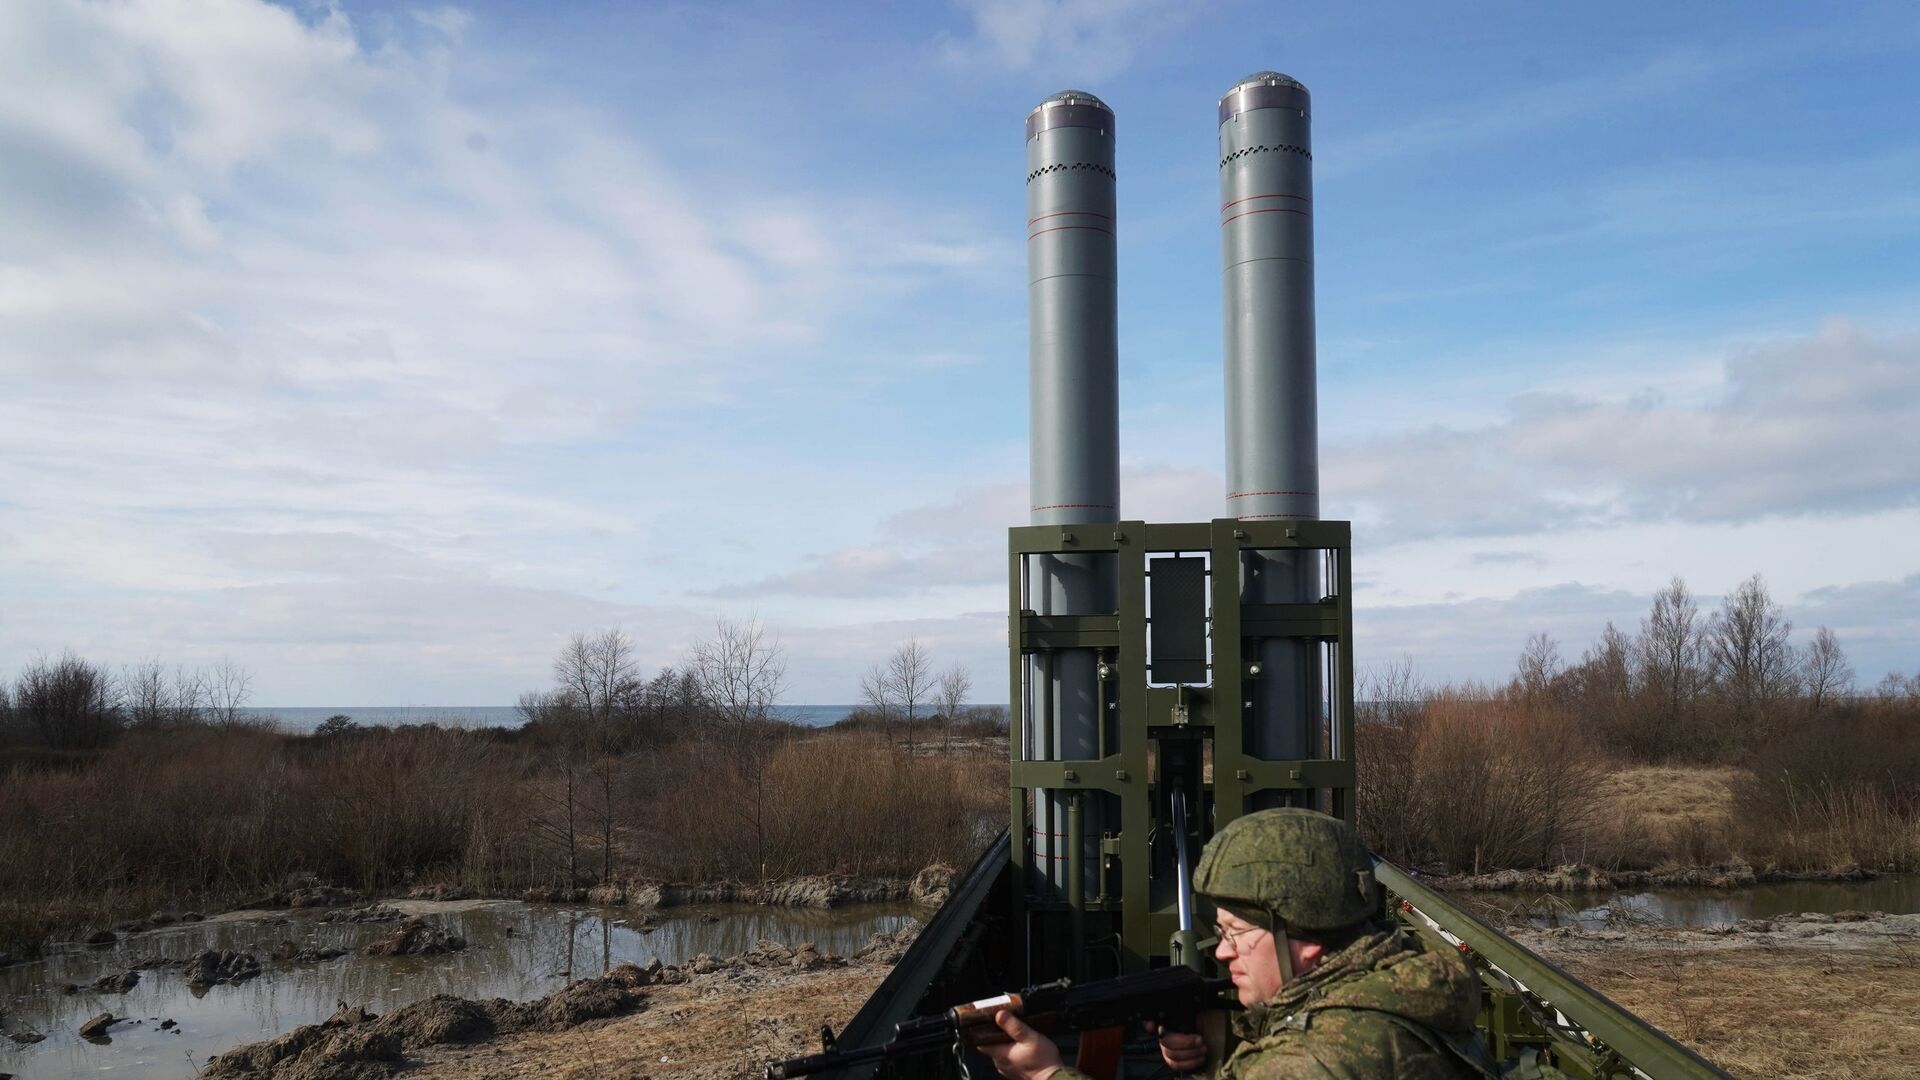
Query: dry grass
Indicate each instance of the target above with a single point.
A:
(1649, 815)
(839, 802)
(1477, 780)
(703, 1030)
(199, 818)
(1763, 1013)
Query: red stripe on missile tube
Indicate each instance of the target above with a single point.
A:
(1250, 198)
(1275, 210)
(1073, 506)
(1072, 213)
(1062, 228)
(1251, 494)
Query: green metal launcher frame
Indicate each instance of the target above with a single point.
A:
(1178, 661)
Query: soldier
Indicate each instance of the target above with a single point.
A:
(1330, 990)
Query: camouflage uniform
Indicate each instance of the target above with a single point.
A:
(1381, 1007)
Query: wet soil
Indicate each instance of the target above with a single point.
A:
(708, 1018)
(1795, 996)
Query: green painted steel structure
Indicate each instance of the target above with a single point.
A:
(1158, 738)
(1529, 1004)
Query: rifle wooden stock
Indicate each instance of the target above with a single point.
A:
(1171, 997)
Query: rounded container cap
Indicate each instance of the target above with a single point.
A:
(1263, 90)
(1070, 108)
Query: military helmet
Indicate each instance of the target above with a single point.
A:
(1305, 869)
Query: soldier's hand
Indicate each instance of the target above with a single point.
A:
(1030, 1056)
(1183, 1051)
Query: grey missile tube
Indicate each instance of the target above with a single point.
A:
(1074, 416)
(1273, 461)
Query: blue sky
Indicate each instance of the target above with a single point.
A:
(380, 347)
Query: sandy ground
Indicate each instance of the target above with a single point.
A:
(711, 1027)
(1803, 996)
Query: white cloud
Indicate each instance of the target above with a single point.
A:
(304, 322)
(876, 572)
(1084, 40)
(1800, 426)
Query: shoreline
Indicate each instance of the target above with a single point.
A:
(928, 888)
(678, 1022)
(1582, 878)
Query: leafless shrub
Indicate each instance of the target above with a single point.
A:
(955, 685)
(69, 703)
(1845, 790)
(1824, 671)
(1389, 795)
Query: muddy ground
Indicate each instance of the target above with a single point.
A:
(708, 1019)
(1798, 996)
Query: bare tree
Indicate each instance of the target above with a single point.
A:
(188, 697)
(1603, 685)
(877, 693)
(595, 672)
(910, 678)
(596, 684)
(1752, 661)
(955, 685)
(229, 687)
(1894, 686)
(1824, 670)
(1539, 665)
(144, 689)
(1672, 665)
(741, 672)
(557, 793)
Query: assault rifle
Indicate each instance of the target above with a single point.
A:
(1171, 997)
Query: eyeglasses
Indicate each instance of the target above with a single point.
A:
(1232, 937)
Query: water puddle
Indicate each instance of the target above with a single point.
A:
(515, 951)
(1897, 894)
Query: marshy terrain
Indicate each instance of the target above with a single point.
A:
(1701, 755)
(1705, 746)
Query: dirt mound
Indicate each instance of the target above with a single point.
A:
(212, 966)
(932, 885)
(887, 948)
(115, 984)
(820, 891)
(771, 954)
(825, 892)
(416, 937)
(616, 993)
(441, 1033)
(1594, 879)
(438, 892)
(155, 921)
(345, 1046)
(289, 952)
(1875, 932)
(354, 1044)
(372, 913)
